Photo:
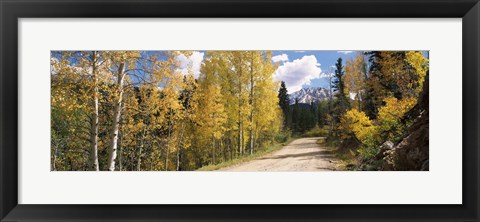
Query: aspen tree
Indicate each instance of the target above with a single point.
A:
(120, 60)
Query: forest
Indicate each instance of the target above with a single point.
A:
(140, 111)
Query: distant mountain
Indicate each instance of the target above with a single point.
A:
(308, 95)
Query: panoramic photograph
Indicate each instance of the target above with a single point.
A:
(243, 111)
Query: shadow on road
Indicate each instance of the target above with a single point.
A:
(324, 154)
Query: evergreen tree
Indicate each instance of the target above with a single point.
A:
(296, 116)
(322, 111)
(284, 102)
(393, 74)
(314, 115)
(369, 104)
(342, 102)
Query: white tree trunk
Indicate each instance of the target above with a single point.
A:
(240, 114)
(179, 148)
(117, 111)
(168, 146)
(251, 105)
(120, 156)
(213, 150)
(240, 132)
(142, 144)
(54, 159)
(94, 118)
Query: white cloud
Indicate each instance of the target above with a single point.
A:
(345, 52)
(326, 75)
(280, 58)
(192, 62)
(299, 72)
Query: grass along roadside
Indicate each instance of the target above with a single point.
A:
(344, 160)
(246, 158)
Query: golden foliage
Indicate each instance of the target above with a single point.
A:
(357, 123)
(390, 116)
(355, 78)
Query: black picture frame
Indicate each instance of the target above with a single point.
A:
(11, 11)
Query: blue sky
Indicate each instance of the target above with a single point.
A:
(300, 69)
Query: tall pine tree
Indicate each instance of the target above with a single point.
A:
(342, 103)
(284, 102)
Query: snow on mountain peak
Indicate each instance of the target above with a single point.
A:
(308, 95)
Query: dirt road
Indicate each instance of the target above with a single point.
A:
(302, 154)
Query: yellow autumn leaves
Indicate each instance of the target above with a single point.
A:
(391, 86)
(139, 110)
(355, 123)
